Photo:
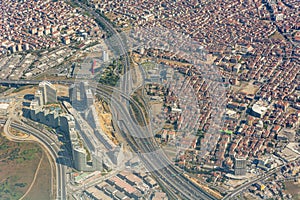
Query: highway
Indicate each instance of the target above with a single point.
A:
(172, 178)
(31, 82)
(169, 176)
(114, 38)
(53, 149)
(174, 185)
(155, 160)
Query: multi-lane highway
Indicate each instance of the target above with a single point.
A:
(171, 178)
(115, 38)
(154, 159)
(53, 150)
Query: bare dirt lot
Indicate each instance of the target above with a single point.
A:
(293, 189)
(62, 90)
(247, 88)
(41, 188)
(105, 121)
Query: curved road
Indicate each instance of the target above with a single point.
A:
(180, 185)
(170, 176)
(53, 149)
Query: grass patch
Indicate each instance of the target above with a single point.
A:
(110, 75)
(9, 189)
(18, 164)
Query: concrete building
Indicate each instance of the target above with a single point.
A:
(105, 56)
(66, 40)
(80, 96)
(72, 95)
(39, 97)
(47, 116)
(95, 193)
(79, 153)
(159, 196)
(84, 159)
(48, 91)
(259, 109)
(240, 166)
(84, 140)
(26, 47)
(65, 123)
(89, 98)
(34, 109)
(3, 109)
(51, 118)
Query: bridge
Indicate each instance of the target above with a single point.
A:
(19, 83)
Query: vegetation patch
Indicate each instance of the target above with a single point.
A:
(18, 164)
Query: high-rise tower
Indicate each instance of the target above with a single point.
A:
(48, 92)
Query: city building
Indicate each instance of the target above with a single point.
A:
(89, 98)
(105, 56)
(54, 117)
(259, 109)
(3, 109)
(81, 97)
(65, 124)
(83, 160)
(240, 166)
(48, 92)
(39, 97)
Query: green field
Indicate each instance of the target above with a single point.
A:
(18, 165)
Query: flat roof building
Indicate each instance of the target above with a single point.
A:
(48, 91)
(240, 166)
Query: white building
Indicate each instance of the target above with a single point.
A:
(259, 109)
(3, 108)
(48, 91)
